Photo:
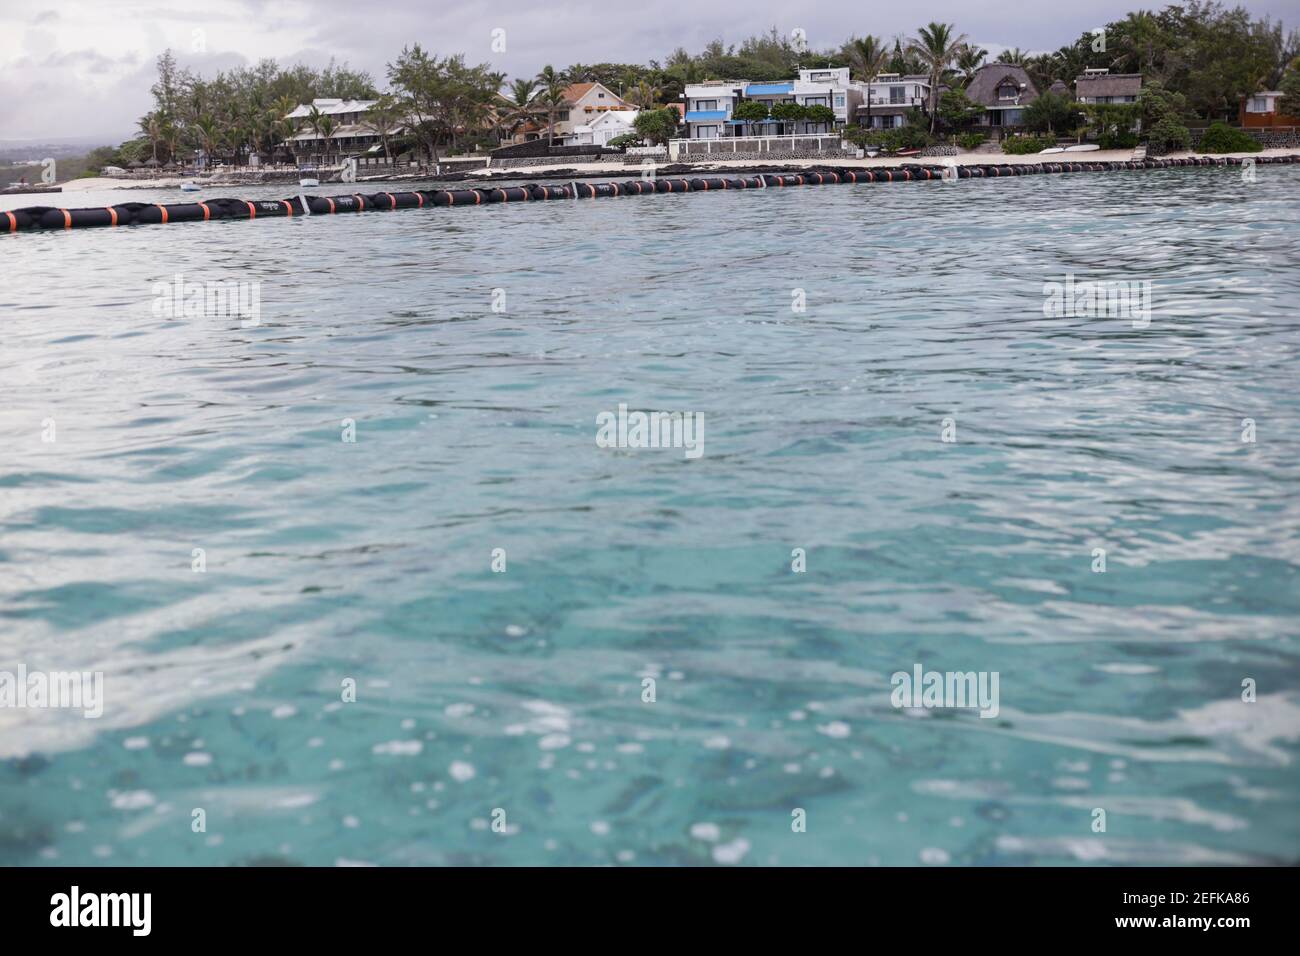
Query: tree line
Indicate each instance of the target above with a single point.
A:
(1201, 56)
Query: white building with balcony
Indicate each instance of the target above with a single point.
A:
(711, 106)
(832, 87)
(892, 96)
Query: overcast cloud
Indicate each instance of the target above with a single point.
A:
(83, 67)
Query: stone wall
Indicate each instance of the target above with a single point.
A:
(546, 160)
(726, 156)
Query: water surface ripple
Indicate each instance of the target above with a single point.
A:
(522, 690)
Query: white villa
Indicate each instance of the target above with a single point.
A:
(710, 106)
(606, 126)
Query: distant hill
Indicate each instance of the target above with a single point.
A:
(65, 147)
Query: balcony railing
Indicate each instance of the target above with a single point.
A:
(905, 101)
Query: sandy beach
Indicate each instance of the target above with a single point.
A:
(1097, 156)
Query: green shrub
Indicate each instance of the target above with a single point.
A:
(1024, 145)
(1222, 138)
(890, 140)
(627, 139)
(1169, 134)
(859, 135)
(970, 140)
(1118, 140)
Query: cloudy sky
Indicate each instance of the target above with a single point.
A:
(83, 67)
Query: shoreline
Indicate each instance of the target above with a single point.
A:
(621, 171)
(226, 207)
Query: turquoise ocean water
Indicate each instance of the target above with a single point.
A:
(499, 716)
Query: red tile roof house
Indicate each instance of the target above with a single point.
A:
(583, 102)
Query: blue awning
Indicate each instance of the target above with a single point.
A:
(768, 89)
(704, 116)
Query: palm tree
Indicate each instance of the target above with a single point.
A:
(209, 133)
(1016, 57)
(551, 98)
(385, 118)
(323, 126)
(970, 59)
(937, 46)
(281, 126)
(151, 126)
(1042, 70)
(1138, 35)
(868, 57)
(171, 136)
(645, 94)
(326, 130)
(1069, 62)
(520, 105)
(578, 73)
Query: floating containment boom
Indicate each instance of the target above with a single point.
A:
(138, 213)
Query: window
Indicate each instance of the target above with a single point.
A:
(706, 105)
(839, 99)
(1008, 92)
(897, 94)
(1258, 104)
(561, 116)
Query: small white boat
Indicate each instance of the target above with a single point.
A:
(1052, 149)
(1083, 148)
(308, 181)
(190, 187)
(307, 176)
